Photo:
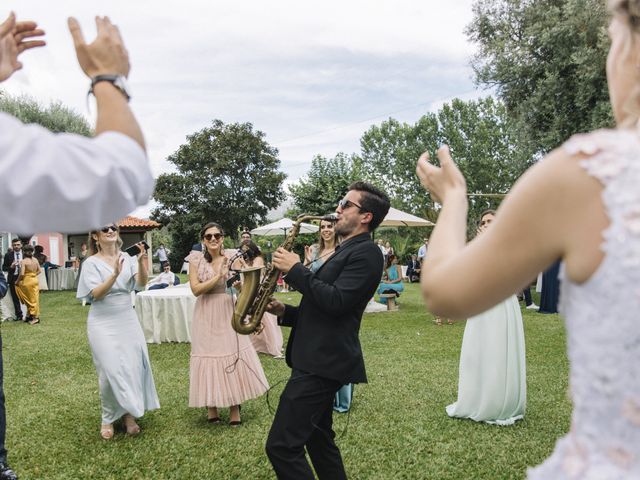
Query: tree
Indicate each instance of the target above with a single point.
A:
(484, 144)
(56, 117)
(327, 182)
(546, 59)
(225, 173)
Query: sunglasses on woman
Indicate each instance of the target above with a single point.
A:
(109, 228)
(209, 236)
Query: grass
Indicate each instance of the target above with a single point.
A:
(397, 428)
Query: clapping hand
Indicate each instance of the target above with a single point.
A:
(106, 55)
(117, 265)
(12, 43)
(444, 181)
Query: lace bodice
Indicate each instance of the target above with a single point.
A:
(603, 326)
(205, 269)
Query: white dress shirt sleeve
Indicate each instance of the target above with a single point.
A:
(66, 182)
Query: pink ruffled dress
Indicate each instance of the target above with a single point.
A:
(224, 367)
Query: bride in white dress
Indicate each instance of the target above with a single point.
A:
(581, 204)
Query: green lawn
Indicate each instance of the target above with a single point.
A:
(397, 428)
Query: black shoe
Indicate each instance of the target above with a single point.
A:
(6, 473)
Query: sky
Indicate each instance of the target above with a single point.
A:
(313, 76)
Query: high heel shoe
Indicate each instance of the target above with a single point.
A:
(130, 424)
(34, 321)
(437, 321)
(106, 431)
(235, 423)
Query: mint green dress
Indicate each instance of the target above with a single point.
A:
(492, 384)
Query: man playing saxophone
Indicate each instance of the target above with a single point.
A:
(324, 349)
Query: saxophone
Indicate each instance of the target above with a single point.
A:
(255, 295)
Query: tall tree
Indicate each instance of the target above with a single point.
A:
(225, 173)
(482, 140)
(55, 117)
(546, 59)
(326, 182)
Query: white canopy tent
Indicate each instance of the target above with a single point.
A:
(398, 218)
(282, 226)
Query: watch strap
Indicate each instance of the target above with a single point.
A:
(113, 79)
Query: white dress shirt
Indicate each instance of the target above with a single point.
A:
(66, 182)
(165, 277)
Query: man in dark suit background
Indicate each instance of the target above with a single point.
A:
(10, 265)
(324, 349)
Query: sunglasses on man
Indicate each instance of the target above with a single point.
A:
(344, 204)
(209, 236)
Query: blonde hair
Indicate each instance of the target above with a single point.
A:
(94, 246)
(629, 13)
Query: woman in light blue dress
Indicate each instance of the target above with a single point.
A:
(315, 256)
(492, 384)
(392, 279)
(117, 343)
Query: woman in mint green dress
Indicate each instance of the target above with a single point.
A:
(492, 378)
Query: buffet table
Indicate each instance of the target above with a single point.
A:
(62, 278)
(165, 315)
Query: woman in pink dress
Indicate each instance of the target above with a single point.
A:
(224, 368)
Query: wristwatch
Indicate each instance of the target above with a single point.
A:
(118, 81)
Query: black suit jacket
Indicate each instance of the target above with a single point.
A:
(6, 266)
(324, 338)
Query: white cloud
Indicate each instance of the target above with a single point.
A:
(312, 75)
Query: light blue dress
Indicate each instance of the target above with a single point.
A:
(492, 383)
(117, 343)
(342, 402)
(392, 274)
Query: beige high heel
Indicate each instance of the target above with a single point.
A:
(106, 431)
(130, 423)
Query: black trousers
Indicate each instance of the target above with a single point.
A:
(304, 419)
(3, 418)
(527, 296)
(16, 301)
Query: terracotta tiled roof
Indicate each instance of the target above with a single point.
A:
(135, 222)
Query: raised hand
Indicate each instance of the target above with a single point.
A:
(443, 181)
(106, 55)
(117, 265)
(12, 43)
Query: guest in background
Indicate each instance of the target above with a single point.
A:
(391, 279)
(163, 255)
(528, 301)
(413, 269)
(27, 285)
(224, 369)
(389, 249)
(269, 340)
(164, 279)
(11, 265)
(315, 255)
(384, 252)
(38, 254)
(550, 294)
(80, 258)
(245, 237)
(118, 346)
(492, 380)
(422, 251)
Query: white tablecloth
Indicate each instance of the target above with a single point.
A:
(62, 278)
(165, 315)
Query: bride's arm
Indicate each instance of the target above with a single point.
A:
(553, 211)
